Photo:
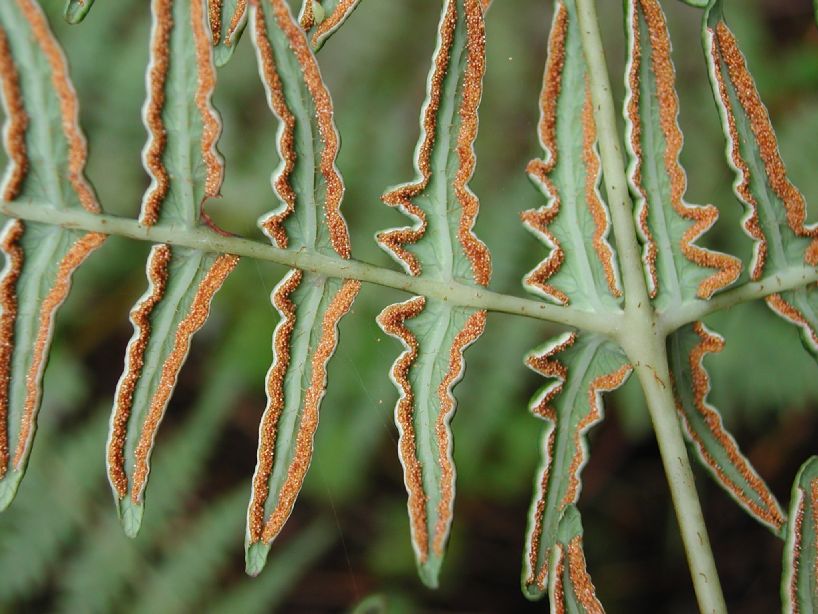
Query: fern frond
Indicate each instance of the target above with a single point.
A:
(571, 404)
(310, 305)
(716, 448)
(185, 169)
(47, 155)
(677, 269)
(776, 211)
(440, 245)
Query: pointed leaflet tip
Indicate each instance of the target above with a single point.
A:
(255, 558)
(76, 10)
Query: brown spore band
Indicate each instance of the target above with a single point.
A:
(540, 170)
(546, 365)
(339, 235)
(10, 245)
(750, 101)
(768, 510)
(17, 121)
(603, 383)
(395, 240)
(235, 20)
(268, 429)
(592, 173)
(339, 306)
(580, 578)
(157, 268)
(789, 312)
(703, 218)
(192, 322)
(157, 77)
(68, 103)
(211, 126)
(273, 224)
(471, 331)
(73, 258)
(392, 321)
(333, 20)
(475, 250)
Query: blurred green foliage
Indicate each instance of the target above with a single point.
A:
(61, 548)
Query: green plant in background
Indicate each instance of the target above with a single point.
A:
(628, 277)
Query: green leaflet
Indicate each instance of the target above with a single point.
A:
(76, 10)
(581, 267)
(775, 210)
(228, 18)
(571, 404)
(322, 18)
(440, 245)
(185, 170)
(716, 448)
(570, 588)
(47, 153)
(677, 270)
(310, 306)
(799, 583)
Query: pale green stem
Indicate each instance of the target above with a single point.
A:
(640, 336)
(790, 278)
(206, 239)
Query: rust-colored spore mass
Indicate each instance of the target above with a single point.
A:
(308, 16)
(473, 328)
(211, 125)
(214, 15)
(547, 366)
(238, 15)
(73, 258)
(17, 121)
(592, 173)
(788, 311)
(727, 267)
(396, 240)
(273, 224)
(650, 251)
(10, 245)
(339, 235)
(475, 250)
(767, 509)
(333, 20)
(275, 400)
(558, 603)
(539, 219)
(192, 322)
(157, 77)
(603, 383)
(392, 321)
(157, 268)
(339, 306)
(69, 105)
(797, 539)
(580, 579)
(725, 49)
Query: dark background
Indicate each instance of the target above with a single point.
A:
(61, 548)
